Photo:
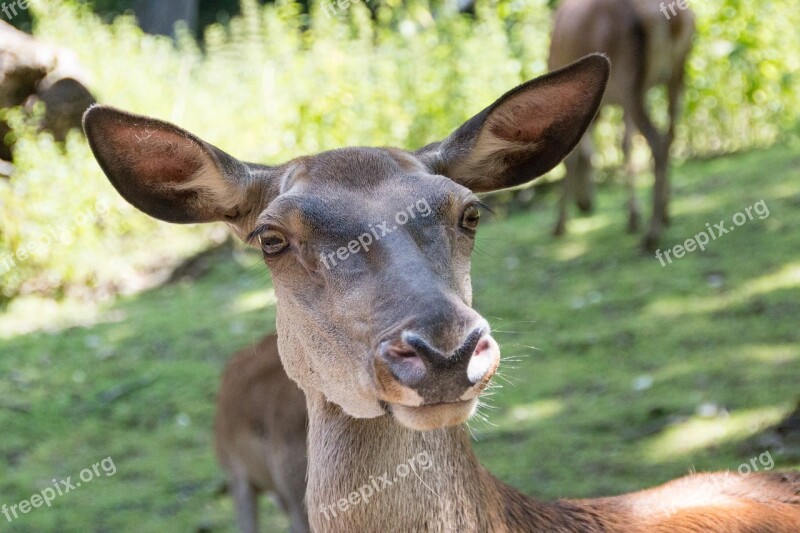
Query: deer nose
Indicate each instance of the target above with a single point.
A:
(437, 376)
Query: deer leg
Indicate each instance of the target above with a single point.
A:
(674, 94)
(583, 185)
(674, 97)
(634, 210)
(288, 469)
(660, 196)
(577, 182)
(298, 519)
(577, 164)
(566, 186)
(246, 501)
(659, 146)
(291, 495)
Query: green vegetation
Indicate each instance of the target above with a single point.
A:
(639, 372)
(715, 332)
(275, 84)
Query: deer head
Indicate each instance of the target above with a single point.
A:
(368, 248)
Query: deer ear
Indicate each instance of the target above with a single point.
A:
(165, 171)
(525, 133)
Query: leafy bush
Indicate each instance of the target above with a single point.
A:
(744, 89)
(274, 84)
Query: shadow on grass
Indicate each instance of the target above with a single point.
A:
(618, 373)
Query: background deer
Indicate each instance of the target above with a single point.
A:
(260, 435)
(647, 48)
(386, 346)
(33, 71)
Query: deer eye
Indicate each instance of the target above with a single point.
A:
(273, 242)
(470, 218)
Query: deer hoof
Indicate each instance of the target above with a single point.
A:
(633, 222)
(650, 242)
(585, 206)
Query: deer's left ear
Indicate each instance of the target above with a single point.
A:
(169, 173)
(525, 133)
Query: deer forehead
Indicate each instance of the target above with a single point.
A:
(357, 166)
(344, 192)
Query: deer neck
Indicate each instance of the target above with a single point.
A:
(350, 458)
(375, 475)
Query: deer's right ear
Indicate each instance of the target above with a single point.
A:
(165, 171)
(525, 133)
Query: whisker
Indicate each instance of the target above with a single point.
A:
(472, 433)
(485, 419)
(476, 247)
(500, 319)
(507, 380)
(523, 346)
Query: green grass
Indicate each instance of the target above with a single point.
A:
(714, 328)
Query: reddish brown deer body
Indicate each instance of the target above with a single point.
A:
(647, 48)
(380, 333)
(260, 434)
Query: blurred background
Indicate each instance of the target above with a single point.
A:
(619, 372)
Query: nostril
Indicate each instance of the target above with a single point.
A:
(482, 347)
(403, 362)
(392, 352)
(413, 362)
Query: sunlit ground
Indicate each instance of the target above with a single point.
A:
(619, 373)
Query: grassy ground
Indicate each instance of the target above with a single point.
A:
(640, 372)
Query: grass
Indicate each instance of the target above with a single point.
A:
(619, 373)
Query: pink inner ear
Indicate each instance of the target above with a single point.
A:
(520, 122)
(529, 116)
(157, 157)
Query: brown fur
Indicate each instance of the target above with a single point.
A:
(349, 334)
(457, 494)
(32, 71)
(646, 50)
(260, 434)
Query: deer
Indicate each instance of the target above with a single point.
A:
(380, 333)
(648, 45)
(260, 435)
(32, 71)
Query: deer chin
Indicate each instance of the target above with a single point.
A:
(434, 416)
